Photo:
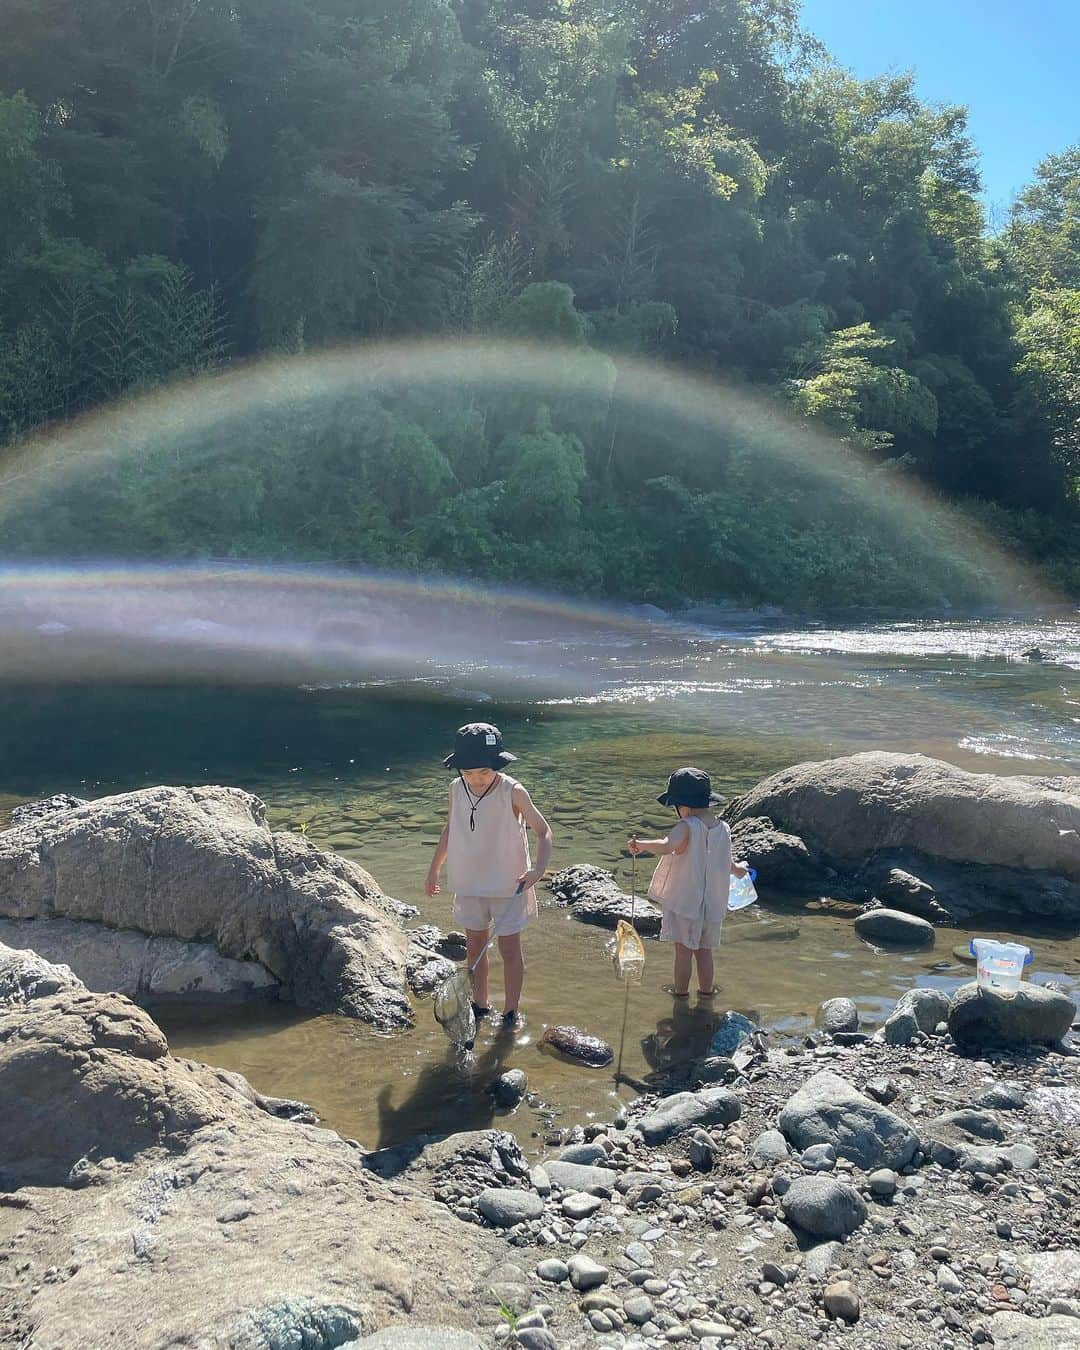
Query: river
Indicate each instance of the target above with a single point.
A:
(358, 767)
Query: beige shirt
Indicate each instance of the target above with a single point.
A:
(696, 883)
(486, 861)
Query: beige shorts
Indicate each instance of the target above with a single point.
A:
(479, 912)
(692, 933)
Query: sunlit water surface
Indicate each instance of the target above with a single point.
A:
(359, 768)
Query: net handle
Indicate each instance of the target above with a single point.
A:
(493, 936)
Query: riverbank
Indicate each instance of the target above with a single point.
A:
(924, 1196)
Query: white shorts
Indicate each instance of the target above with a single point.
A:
(479, 912)
(692, 933)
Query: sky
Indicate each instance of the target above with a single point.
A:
(1015, 65)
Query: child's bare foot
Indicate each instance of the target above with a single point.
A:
(512, 1020)
(707, 993)
(479, 1011)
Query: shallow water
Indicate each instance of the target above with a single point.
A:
(358, 768)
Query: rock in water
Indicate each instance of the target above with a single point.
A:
(838, 1014)
(1033, 1016)
(894, 926)
(578, 1045)
(734, 1030)
(824, 1207)
(201, 864)
(829, 1110)
(594, 896)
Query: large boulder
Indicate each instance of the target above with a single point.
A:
(976, 840)
(201, 865)
(191, 1178)
(894, 927)
(782, 861)
(829, 1110)
(123, 961)
(1033, 1016)
(593, 896)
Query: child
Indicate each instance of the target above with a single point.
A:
(486, 848)
(692, 879)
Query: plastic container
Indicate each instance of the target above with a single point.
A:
(742, 891)
(1000, 965)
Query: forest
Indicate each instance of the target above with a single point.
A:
(191, 185)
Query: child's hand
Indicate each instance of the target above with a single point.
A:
(431, 885)
(634, 845)
(739, 869)
(529, 879)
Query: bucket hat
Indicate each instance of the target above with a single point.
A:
(478, 745)
(690, 787)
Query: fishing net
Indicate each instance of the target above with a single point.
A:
(454, 1009)
(627, 952)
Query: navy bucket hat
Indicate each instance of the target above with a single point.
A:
(478, 746)
(690, 787)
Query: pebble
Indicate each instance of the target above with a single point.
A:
(948, 1279)
(585, 1273)
(600, 1321)
(639, 1254)
(599, 1300)
(553, 1271)
(639, 1308)
(579, 1206)
(883, 1182)
(842, 1301)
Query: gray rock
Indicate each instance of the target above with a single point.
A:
(709, 1106)
(503, 1208)
(1033, 1016)
(468, 1163)
(824, 1207)
(916, 1010)
(123, 961)
(578, 1177)
(586, 1154)
(25, 976)
(640, 1255)
(1053, 1274)
(1014, 1331)
(509, 1088)
(30, 812)
(639, 1309)
(201, 865)
(769, 1148)
(883, 1090)
(948, 1279)
(585, 1273)
(577, 1206)
(535, 1338)
(300, 1321)
(883, 1182)
(1003, 1097)
(842, 1301)
(977, 1124)
(701, 1151)
(828, 1110)
(593, 896)
(838, 1014)
(819, 1158)
(539, 1180)
(900, 1028)
(782, 858)
(895, 927)
(553, 1271)
(822, 1258)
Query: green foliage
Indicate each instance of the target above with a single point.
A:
(188, 183)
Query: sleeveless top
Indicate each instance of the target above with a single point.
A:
(695, 884)
(487, 861)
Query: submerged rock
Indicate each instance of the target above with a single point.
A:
(894, 926)
(579, 1045)
(829, 1110)
(201, 865)
(1033, 1016)
(593, 896)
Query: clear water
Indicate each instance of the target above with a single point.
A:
(359, 768)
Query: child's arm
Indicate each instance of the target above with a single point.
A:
(526, 811)
(431, 885)
(675, 842)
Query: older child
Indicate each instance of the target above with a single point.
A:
(693, 876)
(486, 849)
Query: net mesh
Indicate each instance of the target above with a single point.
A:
(454, 1009)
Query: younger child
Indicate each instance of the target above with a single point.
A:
(486, 849)
(693, 877)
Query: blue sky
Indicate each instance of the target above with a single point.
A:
(1015, 64)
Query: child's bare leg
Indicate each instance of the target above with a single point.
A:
(684, 958)
(513, 960)
(475, 941)
(705, 971)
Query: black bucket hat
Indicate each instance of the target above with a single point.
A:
(690, 787)
(478, 746)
